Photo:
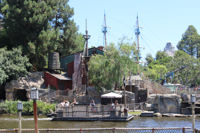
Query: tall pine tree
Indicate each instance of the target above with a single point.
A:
(190, 42)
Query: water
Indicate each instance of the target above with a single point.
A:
(10, 122)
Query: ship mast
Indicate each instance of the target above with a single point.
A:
(137, 33)
(104, 29)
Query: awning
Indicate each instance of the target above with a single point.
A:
(111, 95)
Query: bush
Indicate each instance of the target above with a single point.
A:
(10, 107)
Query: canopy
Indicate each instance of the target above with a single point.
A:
(111, 95)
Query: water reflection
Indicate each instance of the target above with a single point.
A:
(9, 122)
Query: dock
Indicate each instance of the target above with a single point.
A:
(86, 113)
(95, 118)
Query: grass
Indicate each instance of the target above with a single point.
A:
(135, 112)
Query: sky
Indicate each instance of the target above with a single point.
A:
(161, 21)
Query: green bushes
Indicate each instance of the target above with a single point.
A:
(10, 107)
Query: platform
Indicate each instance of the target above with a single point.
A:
(95, 118)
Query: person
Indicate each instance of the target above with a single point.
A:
(116, 102)
(66, 103)
(74, 102)
(112, 106)
(62, 103)
(92, 104)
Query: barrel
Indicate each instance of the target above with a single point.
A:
(53, 62)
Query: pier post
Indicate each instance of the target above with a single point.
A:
(183, 130)
(72, 111)
(102, 111)
(87, 114)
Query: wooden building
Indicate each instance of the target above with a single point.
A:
(71, 64)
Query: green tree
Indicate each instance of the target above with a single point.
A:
(149, 58)
(4, 39)
(27, 24)
(163, 61)
(107, 71)
(191, 72)
(13, 64)
(160, 55)
(156, 72)
(190, 41)
(70, 40)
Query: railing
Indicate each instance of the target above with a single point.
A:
(90, 111)
(106, 130)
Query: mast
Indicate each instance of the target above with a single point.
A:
(104, 29)
(137, 33)
(86, 37)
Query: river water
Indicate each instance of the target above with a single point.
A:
(10, 122)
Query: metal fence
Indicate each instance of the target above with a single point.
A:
(90, 111)
(106, 130)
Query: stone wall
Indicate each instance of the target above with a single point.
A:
(34, 79)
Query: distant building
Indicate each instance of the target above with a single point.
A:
(169, 49)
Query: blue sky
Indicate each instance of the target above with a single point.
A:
(162, 20)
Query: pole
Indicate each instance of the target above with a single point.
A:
(105, 30)
(20, 122)
(35, 115)
(138, 44)
(86, 66)
(193, 117)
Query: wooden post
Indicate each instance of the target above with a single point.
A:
(183, 130)
(153, 130)
(102, 110)
(20, 122)
(72, 111)
(35, 115)
(113, 130)
(87, 113)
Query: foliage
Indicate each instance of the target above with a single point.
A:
(190, 42)
(163, 61)
(149, 58)
(13, 64)
(156, 72)
(160, 55)
(191, 73)
(40, 27)
(4, 39)
(10, 107)
(107, 70)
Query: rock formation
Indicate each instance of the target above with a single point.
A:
(169, 49)
(35, 79)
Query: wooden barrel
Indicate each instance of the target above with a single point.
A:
(53, 62)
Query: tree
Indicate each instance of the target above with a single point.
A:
(160, 55)
(40, 27)
(13, 64)
(190, 41)
(163, 61)
(156, 72)
(27, 24)
(191, 72)
(107, 70)
(70, 40)
(149, 58)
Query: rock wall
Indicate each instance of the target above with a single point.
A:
(34, 79)
(165, 103)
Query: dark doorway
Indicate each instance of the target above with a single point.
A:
(20, 95)
(61, 85)
(2, 92)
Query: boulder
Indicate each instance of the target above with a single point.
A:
(165, 103)
(157, 115)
